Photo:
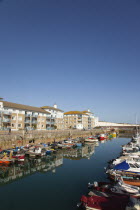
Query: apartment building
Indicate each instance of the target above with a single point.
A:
(57, 115)
(79, 120)
(19, 116)
(91, 119)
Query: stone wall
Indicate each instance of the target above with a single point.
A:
(22, 138)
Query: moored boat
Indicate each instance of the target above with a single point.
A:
(102, 137)
(104, 203)
(114, 135)
(35, 152)
(128, 178)
(117, 188)
(19, 157)
(6, 160)
(128, 166)
(91, 139)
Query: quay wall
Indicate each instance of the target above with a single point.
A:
(22, 138)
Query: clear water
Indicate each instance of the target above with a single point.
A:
(56, 182)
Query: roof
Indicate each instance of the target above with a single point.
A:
(23, 107)
(51, 107)
(87, 112)
(75, 112)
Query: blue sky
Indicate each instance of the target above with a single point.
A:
(79, 54)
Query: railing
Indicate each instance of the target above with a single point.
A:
(49, 123)
(34, 121)
(49, 117)
(27, 115)
(5, 112)
(34, 115)
(6, 120)
(27, 121)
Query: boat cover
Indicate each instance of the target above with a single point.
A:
(122, 166)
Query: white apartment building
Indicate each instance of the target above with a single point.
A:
(19, 116)
(57, 115)
(79, 119)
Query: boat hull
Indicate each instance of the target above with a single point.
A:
(91, 140)
(6, 162)
(134, 182)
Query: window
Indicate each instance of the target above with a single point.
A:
(13, 117)
(20, 118)
(13, 125)
(42, 126)
(19, 125)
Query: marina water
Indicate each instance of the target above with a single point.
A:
(57, 181)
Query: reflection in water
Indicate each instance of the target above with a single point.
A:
(44, 164)
(31, 185)
(30, 166)
(82, 152)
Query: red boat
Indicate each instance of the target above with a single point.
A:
(102, 137)
(6, 160)
(104, 203)
(19, 157)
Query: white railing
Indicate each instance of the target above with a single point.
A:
(6, 120)
(27, 115)
(34, 121)
(27, 121)
(5, 112)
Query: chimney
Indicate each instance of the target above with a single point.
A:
(55, 106)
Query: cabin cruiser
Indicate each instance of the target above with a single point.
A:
(117, 188)
(130, 172)
(136, 138)
(129, 158)
(126, 166)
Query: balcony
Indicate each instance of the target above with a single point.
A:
(50, 117)
(5, 112)
(6, 120)
(27, 121)
(34, 122)
(35, 115)
(49, 123)
(27, 115)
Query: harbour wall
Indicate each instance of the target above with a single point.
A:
(20, 138)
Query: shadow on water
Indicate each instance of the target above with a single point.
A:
(57, 181)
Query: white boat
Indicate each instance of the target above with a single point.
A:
(130, 158)
(91, 139)
(36, 152)
(125, 167)
(130, 146)
(118, 188)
